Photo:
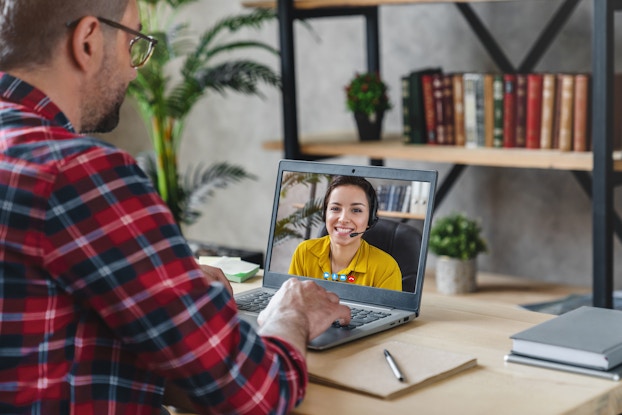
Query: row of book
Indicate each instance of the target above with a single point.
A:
(406, 198)
(532, 110)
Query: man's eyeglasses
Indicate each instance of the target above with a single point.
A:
(141, 47)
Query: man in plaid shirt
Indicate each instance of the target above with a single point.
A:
(101, 300)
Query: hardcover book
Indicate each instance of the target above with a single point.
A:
(416, 112)
(479, 110)
(458, 90)
(406, 105)
(611, 374)
(470, 110)
(581, 118)
(534, 110)
(439, 108)
(586, 336)
(521, 110)
(566, 112)
(548, 110)
(509, 110)
(448, 107)
(429, 108)
(489, 110)
(497, 91)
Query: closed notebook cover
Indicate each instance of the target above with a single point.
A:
(368, 371)
(586, 336)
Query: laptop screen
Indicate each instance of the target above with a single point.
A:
(405, 200)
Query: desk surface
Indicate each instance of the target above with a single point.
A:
(478, 324)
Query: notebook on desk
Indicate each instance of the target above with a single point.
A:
(300, 185)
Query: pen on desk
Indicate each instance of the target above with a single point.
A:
(393, 366)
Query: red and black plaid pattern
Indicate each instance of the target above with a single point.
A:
(101, 300)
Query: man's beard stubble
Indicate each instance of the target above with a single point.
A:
(102, 108)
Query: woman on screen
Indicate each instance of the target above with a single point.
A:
(350, 209)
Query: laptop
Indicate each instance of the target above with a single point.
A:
(403, 195)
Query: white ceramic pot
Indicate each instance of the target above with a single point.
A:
(455, 276)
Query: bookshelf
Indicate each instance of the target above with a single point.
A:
(602, 163)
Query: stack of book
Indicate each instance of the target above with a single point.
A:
(586, 340)
(504, 110)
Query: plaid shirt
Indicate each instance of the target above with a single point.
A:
(101, 300)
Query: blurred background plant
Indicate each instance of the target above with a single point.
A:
(457, 236)
(182, 69)
(300, 223)
(367, 93)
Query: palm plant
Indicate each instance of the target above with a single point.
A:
(164, 101)
(299, 223)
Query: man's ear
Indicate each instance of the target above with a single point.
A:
(87, 43)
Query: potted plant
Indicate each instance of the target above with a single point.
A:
(457, 241)
(367, 97)
(181, 71)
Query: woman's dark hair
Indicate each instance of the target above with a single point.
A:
(372, 198)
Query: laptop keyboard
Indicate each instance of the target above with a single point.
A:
(258, 301)
(360, 317)
(254, 302)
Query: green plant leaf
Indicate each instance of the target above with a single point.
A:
(180, 73)
(456, 236)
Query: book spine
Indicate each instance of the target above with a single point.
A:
(581, 99)
(383, 196)
(558, 104)
(470, 117)
(521, 109)
(448, 107)
(439, 107)
(534, 110)
(417, 112)
(509, 110)
(407, 196)
(548, 110)
(406, 106)
(415, 195)
(429, 108)
(489, 110)
(497, 91)
(566, 112)
(479, 109)
(457, 80)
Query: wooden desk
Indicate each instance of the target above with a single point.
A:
(479, 324)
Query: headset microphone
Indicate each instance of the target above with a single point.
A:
(353, 234)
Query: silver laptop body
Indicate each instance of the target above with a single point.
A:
(301, 184)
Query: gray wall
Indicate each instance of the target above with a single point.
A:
(537, 222)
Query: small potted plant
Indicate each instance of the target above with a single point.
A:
(368, 99)
(457, 241)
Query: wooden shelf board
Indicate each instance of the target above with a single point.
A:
(325, 4)
(392, 147)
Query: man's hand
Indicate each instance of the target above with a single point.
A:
(216, 274)
(301, 311)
